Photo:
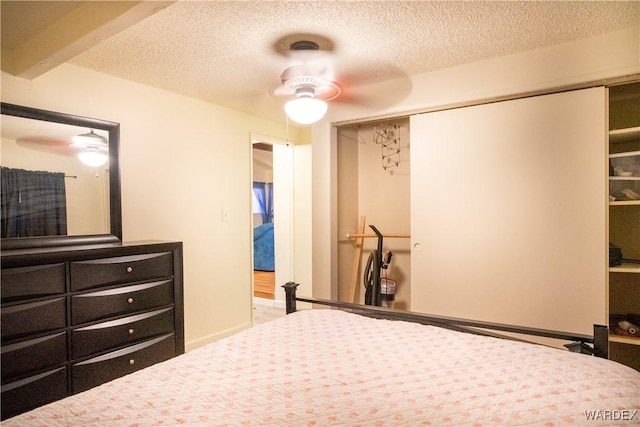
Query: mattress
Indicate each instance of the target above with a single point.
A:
(332, 368)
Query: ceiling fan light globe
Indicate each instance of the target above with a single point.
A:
(305, 110)
(93, 158)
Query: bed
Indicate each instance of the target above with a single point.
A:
(328, 367)
(263, 248)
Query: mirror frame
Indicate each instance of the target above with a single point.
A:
(115, 213)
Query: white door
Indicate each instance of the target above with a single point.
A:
(508, 217)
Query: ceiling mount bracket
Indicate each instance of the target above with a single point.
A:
(304, 45)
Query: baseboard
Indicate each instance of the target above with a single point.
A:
(269, 302)
(215, 337)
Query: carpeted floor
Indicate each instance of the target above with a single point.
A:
(264, 313)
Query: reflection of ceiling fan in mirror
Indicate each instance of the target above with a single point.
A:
(91, 148)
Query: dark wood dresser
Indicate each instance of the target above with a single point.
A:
(74, 317)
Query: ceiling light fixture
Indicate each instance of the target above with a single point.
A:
(92, 148)
(92, 157)
(305, 109)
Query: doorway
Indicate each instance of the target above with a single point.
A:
(272, 218)
(263, 214)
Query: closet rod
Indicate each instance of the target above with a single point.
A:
(392, 236)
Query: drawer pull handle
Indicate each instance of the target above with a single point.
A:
(130, 331)
(132, 362)
(129, 269)
(130, 300)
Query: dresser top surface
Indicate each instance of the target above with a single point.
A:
(58, 253)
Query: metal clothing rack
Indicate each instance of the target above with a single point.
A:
(388, 236)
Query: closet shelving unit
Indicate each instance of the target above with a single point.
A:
(624, 215)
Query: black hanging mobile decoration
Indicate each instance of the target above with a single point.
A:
(388, 137)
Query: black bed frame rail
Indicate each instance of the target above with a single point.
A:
(579, 343)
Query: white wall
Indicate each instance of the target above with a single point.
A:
(262, 165)
(182, 161)
(303, 257)
(610, 55)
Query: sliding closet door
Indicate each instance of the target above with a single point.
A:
(509, 211)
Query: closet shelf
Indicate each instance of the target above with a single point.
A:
(625, 203)
(624, 135)
(623, 339)
(624, 178)
(626, 267)
(624, 154)
(623, 287)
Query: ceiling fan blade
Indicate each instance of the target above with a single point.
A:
(282, 92)
(45, 144)
(364, 71)
(376, 96)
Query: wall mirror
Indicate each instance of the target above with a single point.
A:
(60, 179)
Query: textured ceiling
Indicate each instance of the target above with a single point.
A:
(231, 52)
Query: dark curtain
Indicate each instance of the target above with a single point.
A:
(264, 195)
(33, 203)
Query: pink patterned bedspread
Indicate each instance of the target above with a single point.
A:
(331, 368)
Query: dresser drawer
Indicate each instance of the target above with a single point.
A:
(98, 370)
(29, 393)
(33, 355)
(116, 333)
(97, 272)
(123, 300)
(32, 281)
(34, 317)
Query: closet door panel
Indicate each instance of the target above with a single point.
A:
(508, 211)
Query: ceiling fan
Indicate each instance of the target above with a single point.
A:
(91, 148)
(310, 81)
(307, 85)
